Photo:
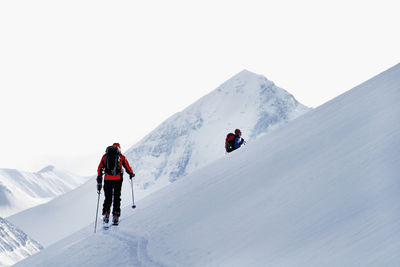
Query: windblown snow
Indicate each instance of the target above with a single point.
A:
(322, 191)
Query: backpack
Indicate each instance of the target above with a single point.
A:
(230, 142)
(112, 161)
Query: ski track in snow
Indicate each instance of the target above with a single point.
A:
(112, 245)
(136, 247)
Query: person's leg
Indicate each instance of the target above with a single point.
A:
(108, 194)
(117, 197)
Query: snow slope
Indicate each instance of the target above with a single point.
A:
(322, 191)
(15, 245)
(185, 142)
(22, 190)
(61, 216)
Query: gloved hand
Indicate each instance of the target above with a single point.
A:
(99, 187)
(131, 176)
(99, 181)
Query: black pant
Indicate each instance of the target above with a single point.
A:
(112, 189)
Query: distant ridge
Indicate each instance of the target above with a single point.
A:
(20, 190)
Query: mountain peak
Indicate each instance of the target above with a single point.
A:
(192, 138)
(246, 71)
(245, 74)
(48, 168)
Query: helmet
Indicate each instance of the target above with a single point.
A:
(238, 132)
(117, 145)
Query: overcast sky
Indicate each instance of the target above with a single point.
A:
(76, 76)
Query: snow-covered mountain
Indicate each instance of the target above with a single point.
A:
(15, 245)
(21, 190)
(185, 142)
(195, 137)
(322, 191)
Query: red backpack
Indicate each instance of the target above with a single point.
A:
(230, 142)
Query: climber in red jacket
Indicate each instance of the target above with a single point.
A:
(111, 164)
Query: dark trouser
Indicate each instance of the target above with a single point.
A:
(112, 189)
(229, 150)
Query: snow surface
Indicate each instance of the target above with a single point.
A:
(22, 190)
(322, 191)
(15, 245)
(185, 142)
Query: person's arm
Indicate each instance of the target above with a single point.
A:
(101, 167)
(127, 167)
(99, 178)
(238, 141)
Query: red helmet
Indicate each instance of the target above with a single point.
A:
(117, 145)
(238, 132)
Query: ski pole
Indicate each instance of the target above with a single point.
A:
(133, 199)
(97, 210)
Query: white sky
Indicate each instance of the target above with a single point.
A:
(76, 76)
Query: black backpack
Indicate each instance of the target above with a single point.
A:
(230, 142)
(112, 161)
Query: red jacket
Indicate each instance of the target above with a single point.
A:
(122, 162)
